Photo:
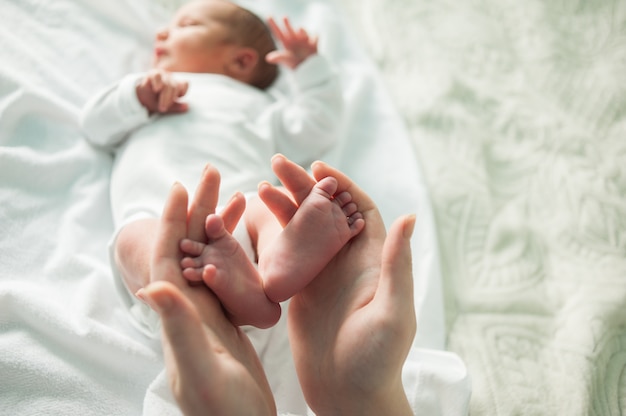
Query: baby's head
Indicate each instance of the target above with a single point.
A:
(219, 37)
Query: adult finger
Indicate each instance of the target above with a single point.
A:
(232, 212)
(277, 202)
(293, 176)
(171, 230)
(204, 203)
(395, 288)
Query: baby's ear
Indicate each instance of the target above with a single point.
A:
(244, 61)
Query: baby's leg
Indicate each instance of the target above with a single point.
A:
(225, 268)
(322, 224)
(133, 251)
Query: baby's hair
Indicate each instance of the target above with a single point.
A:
(252, 32)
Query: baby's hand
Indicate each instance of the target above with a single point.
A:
(298, 45)
(159, 93)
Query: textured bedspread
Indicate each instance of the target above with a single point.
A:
(518, 111)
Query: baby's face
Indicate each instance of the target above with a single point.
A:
(196, 40)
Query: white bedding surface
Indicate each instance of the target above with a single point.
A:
(518, 111)
(65, 343)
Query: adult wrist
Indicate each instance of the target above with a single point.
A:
(389, 403)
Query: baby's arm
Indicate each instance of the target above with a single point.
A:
(307, 124)
(108, 117)
(112, 114)
(298, 45)
(159, 92)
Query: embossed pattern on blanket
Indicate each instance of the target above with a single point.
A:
(518, 110)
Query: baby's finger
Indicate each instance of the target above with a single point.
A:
(277, 57)
(181, 88)
(273, 26)
(288, 28)
(303, 36)
(177, 108)
(166, 98)
(276, 30)
(156, 81)
(144, 84)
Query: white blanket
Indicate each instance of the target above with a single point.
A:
(65, 343)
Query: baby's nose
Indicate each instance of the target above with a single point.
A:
(162, 33)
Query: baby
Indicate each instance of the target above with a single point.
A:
(222, 59)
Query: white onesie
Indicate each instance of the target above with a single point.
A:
(231, 125)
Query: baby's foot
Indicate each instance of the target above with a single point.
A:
(322, 225)
(226, 269)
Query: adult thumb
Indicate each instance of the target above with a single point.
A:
(181, 323)
(396, 280)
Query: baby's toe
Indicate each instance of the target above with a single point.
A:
(192, 274)
(349, 209)
(328, 186)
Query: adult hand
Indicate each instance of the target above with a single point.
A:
(297, 43)
(352, 327)
(212, 366)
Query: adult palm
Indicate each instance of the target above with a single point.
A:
(352, 327)
(211, 363)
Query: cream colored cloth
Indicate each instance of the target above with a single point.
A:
(518, 111)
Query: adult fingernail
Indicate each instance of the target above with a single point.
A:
(143, 296)
(157, 302)
(409, 226)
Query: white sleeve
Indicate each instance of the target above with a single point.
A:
(307, 124)
(108, 117)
